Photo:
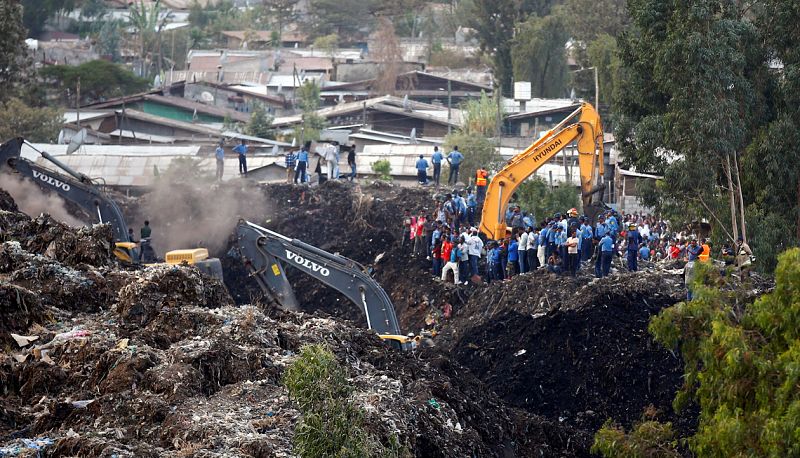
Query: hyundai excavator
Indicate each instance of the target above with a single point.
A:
(86, 193)
(587, 130)
(262, 251)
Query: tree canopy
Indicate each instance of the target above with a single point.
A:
(99, 79)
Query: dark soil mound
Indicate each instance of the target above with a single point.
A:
(563, 349)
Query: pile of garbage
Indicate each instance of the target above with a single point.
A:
(99, 360)
(570, 349)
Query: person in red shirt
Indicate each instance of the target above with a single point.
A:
(674, 250)
(447, 247)
(419, 234)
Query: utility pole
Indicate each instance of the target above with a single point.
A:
(78, 103)
(596, 90)
(449, 105)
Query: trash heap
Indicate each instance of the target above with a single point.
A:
(98, 360)
(573, 350)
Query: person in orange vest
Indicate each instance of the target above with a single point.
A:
(481, 180)
(705, 256)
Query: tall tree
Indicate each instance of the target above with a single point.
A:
(691, 125)
(282, 11)
(386, 51)
(494, 22)
(539, 56)
(13, 51)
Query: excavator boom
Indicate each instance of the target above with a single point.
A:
(79, 190)
(263, 250)
(587, 130)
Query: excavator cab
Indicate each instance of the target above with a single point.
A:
(399, 342)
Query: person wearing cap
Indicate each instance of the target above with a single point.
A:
(634, 239)
(613, 225)
(606, 254)
(600, 231)
(572, 221)
(586, 239)
(422, 170)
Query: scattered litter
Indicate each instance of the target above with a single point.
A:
(23, 341)
(521, 352)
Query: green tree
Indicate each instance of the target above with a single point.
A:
(308, 98)
(480, 116)
(37, 12)
(494, 22)
(149, 21)
(331, 424)
(691, 125)
(18, 119)
(108, 39)
(536, 196)
(99, 79)
(383, 169)
(14, 63)
(260, 124)
(589, 19)
(283, 12)
(539, 56)
(327, 44)
(344, 18)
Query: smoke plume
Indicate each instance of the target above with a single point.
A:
(197, 214)
(33, 200)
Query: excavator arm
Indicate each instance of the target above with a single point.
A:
(263, 250)
(76, 188)
(587, 130)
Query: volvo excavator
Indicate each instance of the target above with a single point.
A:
(585, 127)
(263, 251)
(86, 193)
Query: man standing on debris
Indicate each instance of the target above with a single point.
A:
(522, 248)
(291, 161)
(481, 181)
(634, 239)
(219, 154)
(145, 231)
(493, 263)
(405, 235)
(302, 163)
(743, 255)
(694, 250)
(420, 249)
(241, 150)
(454, 159)
(351, 161)
(472, 207)
(606, 253)
(436, 160)
(422, 170)
(572, 252)
(475, 246)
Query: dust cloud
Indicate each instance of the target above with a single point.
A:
(33, 200)
(190, 215)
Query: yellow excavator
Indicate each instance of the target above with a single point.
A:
(585, 127)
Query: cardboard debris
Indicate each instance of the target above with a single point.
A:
(23, 341)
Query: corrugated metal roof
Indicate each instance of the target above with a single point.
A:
(140, 170)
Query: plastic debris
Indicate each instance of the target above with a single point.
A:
(23, 341)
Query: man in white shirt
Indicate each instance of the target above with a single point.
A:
(522, 247)
(475, 245)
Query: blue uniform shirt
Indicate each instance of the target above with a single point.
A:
(494, 255)
(241, 149)
(302, 156)
(600, 231)
(543, 236)
(422, 164)
(472, 201)
(644, 252)
(551, 236)
(455, 157)
(606, 243)
(220, 153)
(437, 157)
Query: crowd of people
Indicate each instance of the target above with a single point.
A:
(562, 244)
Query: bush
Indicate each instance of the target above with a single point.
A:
(331, 425)
(742, 364)
(383, 169)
